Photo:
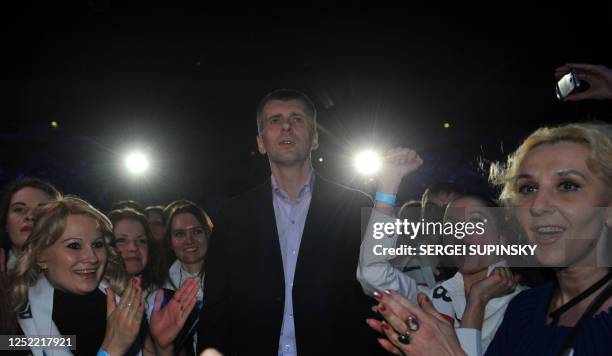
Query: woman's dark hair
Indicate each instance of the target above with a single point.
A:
(159, 209)
(486, 199)
(152, 276)
(7, 194)
(123, 204)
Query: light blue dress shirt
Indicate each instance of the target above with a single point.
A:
(290, 220)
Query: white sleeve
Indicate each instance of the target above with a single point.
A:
(470, 341)
(374, 272)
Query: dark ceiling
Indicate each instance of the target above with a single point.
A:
(183, 83)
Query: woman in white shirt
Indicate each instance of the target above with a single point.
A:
(189, 229)
(475, 298)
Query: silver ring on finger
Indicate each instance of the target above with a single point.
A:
(412, 323)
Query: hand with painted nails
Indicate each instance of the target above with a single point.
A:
(123, 320)
(413, 329)
(599, 78)
(168, 321)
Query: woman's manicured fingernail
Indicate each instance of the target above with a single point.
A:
(382, 308)
(377, 295)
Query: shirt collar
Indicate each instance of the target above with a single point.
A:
(306, 188)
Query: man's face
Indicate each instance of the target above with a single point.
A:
(287, 134)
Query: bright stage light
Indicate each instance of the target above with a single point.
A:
(368, 162)
(137, 163)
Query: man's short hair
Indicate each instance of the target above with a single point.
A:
(286, 95)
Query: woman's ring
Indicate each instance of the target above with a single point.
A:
(412, 323)
(404, 338)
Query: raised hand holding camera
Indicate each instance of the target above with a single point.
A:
(598, 77)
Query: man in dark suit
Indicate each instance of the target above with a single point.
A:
(280, 270)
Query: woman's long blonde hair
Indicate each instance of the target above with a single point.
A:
(50, 222)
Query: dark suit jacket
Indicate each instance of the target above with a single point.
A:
(244, 284)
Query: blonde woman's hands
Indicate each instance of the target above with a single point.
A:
(123, 320)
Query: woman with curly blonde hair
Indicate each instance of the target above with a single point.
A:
(61, 277)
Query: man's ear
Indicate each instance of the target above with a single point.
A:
(260, 145)
(315, 141)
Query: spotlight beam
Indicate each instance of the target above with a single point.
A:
(137, 163)
(368, 162)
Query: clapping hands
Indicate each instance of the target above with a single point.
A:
(123, 320)
(166, 322)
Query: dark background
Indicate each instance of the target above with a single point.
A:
(182, 83)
